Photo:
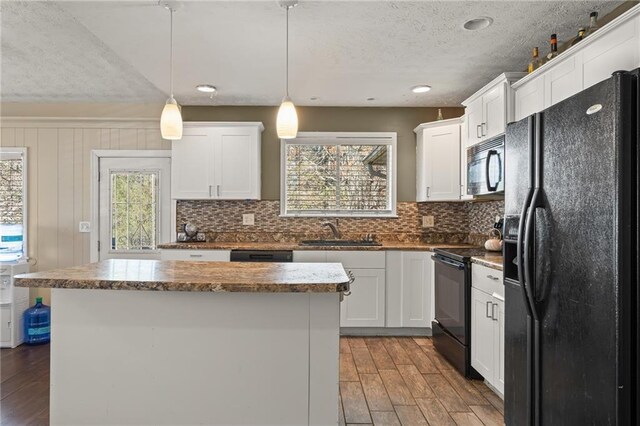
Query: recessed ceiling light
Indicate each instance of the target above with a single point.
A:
(478, 23)
(422, 88)
(206, 88)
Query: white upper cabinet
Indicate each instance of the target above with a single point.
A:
(438, 160)
(191, 168)
(217, 161)
(464, 143)
(490, 109)
(614, 47)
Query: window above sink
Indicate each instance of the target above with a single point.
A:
(339, 174)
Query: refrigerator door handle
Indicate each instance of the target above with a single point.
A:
(528, 252)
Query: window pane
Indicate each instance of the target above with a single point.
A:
(337, 178)
(12, 244)
(311, 177)
(363, 177)
(134, 210)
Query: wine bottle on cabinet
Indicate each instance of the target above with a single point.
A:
(579, 37)
(593, 24)
(535, 61)
(553, 52)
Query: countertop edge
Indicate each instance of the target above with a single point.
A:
(180, 287)
(488, 263)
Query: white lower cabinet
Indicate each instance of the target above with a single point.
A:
(487, 325)
(364, 307)
(409, 289)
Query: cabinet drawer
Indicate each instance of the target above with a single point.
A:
(196, 255)
(358, 259)
(487, 279)
(313, 256)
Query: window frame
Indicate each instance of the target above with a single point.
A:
(19, 152)
(342, 138)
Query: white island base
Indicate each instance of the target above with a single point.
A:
(122, 357)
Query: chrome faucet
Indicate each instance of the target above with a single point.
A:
(334, 229)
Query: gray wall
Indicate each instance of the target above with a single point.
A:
(330, 119)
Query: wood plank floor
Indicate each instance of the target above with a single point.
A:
(383, 381)
(404, 381)
(24, 386)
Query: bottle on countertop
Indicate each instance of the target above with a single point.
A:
(553, 52)
(440, 117)
(579, 37)
(534, 64)
(593, 24)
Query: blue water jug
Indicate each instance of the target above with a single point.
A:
(37, 323)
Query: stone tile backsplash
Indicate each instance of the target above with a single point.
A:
(459, 222)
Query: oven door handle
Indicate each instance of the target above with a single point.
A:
(448, 262)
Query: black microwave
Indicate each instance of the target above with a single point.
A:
(485, 167)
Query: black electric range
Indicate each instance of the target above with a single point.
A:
(452, 325)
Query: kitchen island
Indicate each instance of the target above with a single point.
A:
(178, 342)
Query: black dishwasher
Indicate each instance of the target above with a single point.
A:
(261, 256)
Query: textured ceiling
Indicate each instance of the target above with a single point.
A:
(340, 52)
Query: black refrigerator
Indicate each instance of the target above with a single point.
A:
(571, 260)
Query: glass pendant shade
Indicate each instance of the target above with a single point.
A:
(287, 121)
(171, 121)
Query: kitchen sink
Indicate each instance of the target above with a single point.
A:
(348, 243)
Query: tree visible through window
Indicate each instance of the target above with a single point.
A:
(12, 203)
(337, 178)
(11, 191)
(134, 210)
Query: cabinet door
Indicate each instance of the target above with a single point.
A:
(498, 383)
(237, 163)
(482, 334)
(364, 307)
(464, 143)
(192, 165)
(616, 50)
(495, 112)
(563, 80)
(442, 151)
(474, 122)
(421, 168)
(5, 324)
(416, 290)
(530, 98)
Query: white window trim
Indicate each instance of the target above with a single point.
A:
(314, 138)
(17, 152)
(96, 155)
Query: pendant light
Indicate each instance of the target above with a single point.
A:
(287, 121)
(171, 118)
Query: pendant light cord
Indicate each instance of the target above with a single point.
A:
(287, 54)
(171, 52)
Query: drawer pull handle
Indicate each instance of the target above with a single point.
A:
(491, 277)
(195, 255)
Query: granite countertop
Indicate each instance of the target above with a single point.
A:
(158, 275)
(296, 246)
(490, 260)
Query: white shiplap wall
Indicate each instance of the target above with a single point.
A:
(58, 182)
